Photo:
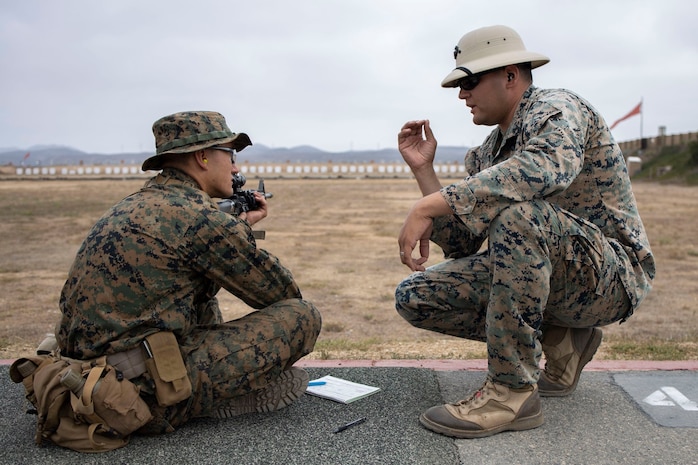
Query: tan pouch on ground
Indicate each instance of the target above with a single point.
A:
(99, 415)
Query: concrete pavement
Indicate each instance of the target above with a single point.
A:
(617, 415)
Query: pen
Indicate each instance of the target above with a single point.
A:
(349, 425)
(317, 383)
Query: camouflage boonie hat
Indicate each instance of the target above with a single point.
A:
(189, 131)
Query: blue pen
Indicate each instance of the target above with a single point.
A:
(317, 383)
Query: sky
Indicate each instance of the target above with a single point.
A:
(335, 74)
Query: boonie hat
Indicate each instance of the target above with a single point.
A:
(490, 48)
(188, 132)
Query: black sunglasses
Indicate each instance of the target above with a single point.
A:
(226, 149)
(471, 81)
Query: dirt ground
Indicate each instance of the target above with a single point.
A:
(339, 238)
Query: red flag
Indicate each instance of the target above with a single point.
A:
(26, 155)
(635, 111)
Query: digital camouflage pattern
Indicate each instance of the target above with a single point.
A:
(189, 131)
(155, 262)
(565, 242)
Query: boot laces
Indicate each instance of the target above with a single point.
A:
(479, 396)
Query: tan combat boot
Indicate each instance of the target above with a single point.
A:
(566, 351)
(492, 409)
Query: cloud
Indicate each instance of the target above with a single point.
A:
(334, 74)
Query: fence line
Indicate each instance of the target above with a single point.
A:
(653, 145)
(279, 170)
(634, 150)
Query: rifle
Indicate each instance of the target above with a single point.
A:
(243, 200)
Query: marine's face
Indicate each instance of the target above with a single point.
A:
(222, 167)
(486, 98)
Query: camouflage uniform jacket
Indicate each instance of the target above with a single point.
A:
(155, 261)
(557, 148)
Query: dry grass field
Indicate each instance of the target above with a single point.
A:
(339, 237)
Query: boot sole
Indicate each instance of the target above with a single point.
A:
(290, 386)
(282, 392)
(521, 424)
(585, 357)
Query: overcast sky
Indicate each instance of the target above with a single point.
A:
(338, 75)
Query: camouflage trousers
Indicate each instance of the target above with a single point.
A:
(234, 358)
(543, 265)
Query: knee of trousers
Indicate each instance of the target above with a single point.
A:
(309, 312)
(299, 316)
(303, 324)
(406, 299)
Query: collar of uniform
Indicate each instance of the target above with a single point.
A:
(516, 125)
(171, 176)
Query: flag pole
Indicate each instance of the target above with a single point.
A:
(642, 108)
(642, 141)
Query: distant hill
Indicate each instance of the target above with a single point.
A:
(55, 155)
(675, 164)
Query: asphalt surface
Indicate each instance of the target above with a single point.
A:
(613, 417)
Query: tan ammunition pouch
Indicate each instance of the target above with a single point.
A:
(102, 414)
(166, 368)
